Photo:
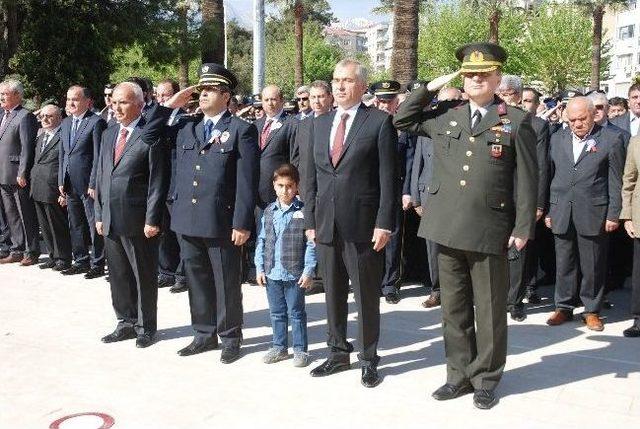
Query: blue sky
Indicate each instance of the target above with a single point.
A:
(242, 10)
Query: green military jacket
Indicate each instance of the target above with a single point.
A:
(473, 205)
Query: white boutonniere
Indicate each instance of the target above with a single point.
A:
(224, 137)
(276, 126)
(591, 146)
(298, 215)
(215, 136)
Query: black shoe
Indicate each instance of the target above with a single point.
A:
(392, 297)
(230, 354)
(61, 266)
(532, 297)
(370, 377)
(452, 391)
(144, 340)
(94, 273)
(47, 265)
(4, 254)
(330, 367)
(120, 334)
(633, 331)
(518, 314)
(606, 304)
(484, 399)
(199, 345)
(179, 287)
(75, 269)
(164, 281)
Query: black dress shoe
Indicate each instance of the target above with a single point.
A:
(532, 297)
(484, 399)
(230, 354)
(144, 340)
(164, 281)
(75, 269)
(94, 273)
(370, 377)
(4, 254)
(120, 334)
(633, 331)
(61, 266)
(199, 345)
(330, 367)
(518, 314)
(451, 391)
(179, 287)
(392, 297)
(47, 265)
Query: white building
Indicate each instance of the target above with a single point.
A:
(623, 28)
(361, 35)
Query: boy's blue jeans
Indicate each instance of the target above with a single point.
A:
(286, 303)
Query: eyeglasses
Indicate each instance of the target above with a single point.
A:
(302, 99)
(44, 115)
(599, 106)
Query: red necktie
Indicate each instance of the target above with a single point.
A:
(120, 144)
(338, 140)
(264, 135)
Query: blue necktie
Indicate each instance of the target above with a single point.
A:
(74, 129)
(208, 129)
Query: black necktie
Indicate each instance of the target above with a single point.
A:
(475, 119)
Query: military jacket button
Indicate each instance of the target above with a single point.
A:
(465, 167)
(463, 183)
(472, 139)
(469, 153)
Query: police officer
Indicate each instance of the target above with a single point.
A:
(217, 164)
(480, 145)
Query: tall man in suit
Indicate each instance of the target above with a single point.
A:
(587, 162)
(52, 215)
(475, 213)
(213, 210)
(18, 129)
(630, 121)
(304, 104)
(107, 113)
(350, 204)
(131, 186)
(522, 264)
(81, 134)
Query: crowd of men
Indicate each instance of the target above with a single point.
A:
(508, 189)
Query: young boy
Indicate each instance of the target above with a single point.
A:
(285, 262)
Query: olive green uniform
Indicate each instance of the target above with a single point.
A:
(483, 190)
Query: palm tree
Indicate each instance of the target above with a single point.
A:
(404, 57)
(298, 8)
(597, 9)
(212, 31)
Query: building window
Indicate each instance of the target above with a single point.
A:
(625, 32)
(624, 60)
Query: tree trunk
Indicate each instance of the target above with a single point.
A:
(596, 44)
(494, 24)
(183, 65)
(212, 31)
(298, 10)
(404, 57)
(10, 34)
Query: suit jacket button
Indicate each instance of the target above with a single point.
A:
(501, 204)
(194, 201)
(198, 167)
(202, 152)
(448, 132)
(195, 183)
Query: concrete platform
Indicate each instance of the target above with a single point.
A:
(53, 364)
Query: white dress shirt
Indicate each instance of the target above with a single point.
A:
(634, 124)
(213, 119)
(48, 134)
(336, 121)
(129, 128)
(579, 144)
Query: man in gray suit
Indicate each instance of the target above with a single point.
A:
(18, 130)
(585, 202)
(630, 121)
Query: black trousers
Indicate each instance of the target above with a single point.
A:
(340, 261)
(133, 276)
(520, 265)
(541, 255)
(580, 255)
(169, 262)
(635, 280)
(82, 225)
(55, 230)
(393, 255)
(620, 258)
(5, 232)
(22, 219)
(212, 269)
(474, 316)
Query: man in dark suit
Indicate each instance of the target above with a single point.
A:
(52, 216)
(81, 134)
(132, 179)
(213, 210)
(107, 113)
(522, 264)
(630, 121)
(475, 213)
(585, 202)
(350, 204)
(303, 102)
(18, 129)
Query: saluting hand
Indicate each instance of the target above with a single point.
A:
(240, 236)
(151, 231)
(180, 98)
(441, 81)
(380, 239)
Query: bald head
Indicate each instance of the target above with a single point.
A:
(272, 101)
(580, 113)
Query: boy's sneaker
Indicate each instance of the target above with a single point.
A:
(301, 359)
(275, 355)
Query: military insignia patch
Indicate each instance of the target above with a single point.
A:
(505, 120)
(224, 137)
(386, 85)
(476, 57)
(496, 151)
(205, 69)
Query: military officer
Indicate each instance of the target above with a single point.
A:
(475, 214)
(216, 182)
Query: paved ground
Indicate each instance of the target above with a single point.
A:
(53, 364)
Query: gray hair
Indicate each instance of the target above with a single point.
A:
(321, 84)
(583, 100)
(15, 86)
(303, 88)
(361, 71)
(134, 87)
(54, 107)
(511, 82)
(599, 98)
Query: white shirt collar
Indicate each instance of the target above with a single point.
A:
(52, 132)
(131, 126)
(80, 116)
(277, 117)
(576, 139)
(215, 118)
(351, 110)
(483, 109)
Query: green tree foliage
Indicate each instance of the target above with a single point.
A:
(240, 56)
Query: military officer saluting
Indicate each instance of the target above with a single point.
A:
(479, 145)
(216, 182)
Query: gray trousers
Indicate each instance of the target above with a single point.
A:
(20, 214)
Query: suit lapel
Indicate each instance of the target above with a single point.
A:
(462, 116)
(325, 141)
(50, 145)
(135, 134)
(39, 152)
(361, 116)
(83, 124)
(12, 115)
(596, 137)
(489, 120)
(568, 146)
(280, 120)
(200, 133)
